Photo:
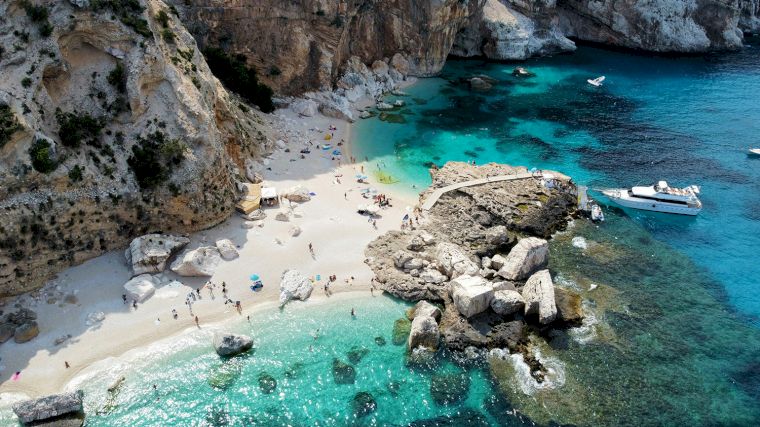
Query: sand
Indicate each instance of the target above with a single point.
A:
(330, 222)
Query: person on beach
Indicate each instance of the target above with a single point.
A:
(124, 298)
(311, 249)
(134, 304)
(197, 323)
(66, 364)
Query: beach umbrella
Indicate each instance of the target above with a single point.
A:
(254, 277)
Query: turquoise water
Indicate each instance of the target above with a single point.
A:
(671, 335)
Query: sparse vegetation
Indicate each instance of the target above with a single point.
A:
(118, 78)
(26, 82)
(38, 15)
(168, 35)
(239, 78)
(153, 157)
(76, 173)
(163, 18)
(42, 156)
(129, 12)
(8, 124)
(75, 129)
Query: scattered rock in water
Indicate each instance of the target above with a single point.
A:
(228, 345)
(355, 355)
(26, 332)
(380, 341)
(363, 404)
(6, 332)
(569, 306)
(343, 373)
(383, 106)
(466, 417)
(94, 318)
(223, 375)
(509, 335)
(579, 242)
(393, 387)
(449, 389)
(267, 383)
(392, 118)
(63, 409)
(401, 329)
(294, 371)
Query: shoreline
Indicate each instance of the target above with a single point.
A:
(95, 286)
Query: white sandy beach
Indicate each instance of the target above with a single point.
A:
(330, 221)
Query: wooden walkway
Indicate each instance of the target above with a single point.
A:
(430, 201)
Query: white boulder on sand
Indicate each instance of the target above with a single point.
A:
(149, 253)
(297, 194)
(294, 285)
(227, 344)
(538, 293)
(197, 262)
(471, 294)
(506, 302)
(305, 107)
(529, 255)
(140, 288)
(423, 333)
(227, 249)
(454, 260)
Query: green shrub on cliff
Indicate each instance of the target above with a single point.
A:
(75, 129)
(153, 157)
(42, 156)
(8, 124)
(117, 78)
(38, 15)
(239, 78)
(129, 12)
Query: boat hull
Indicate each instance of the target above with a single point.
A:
(654, 206)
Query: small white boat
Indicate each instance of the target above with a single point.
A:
(596, 213)
(659, 198)
(597, 81)
(754, 152)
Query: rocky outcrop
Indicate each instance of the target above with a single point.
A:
(20, 325)
(228, 344)
(119, 85)
(424, 308)
(140, 288)
(424, 333)
(654, 25)
(197, 262)
(50, 409)
(471, 295)
(527, 256)
(454, 261)
(500, 32)
(149, 253)
(227, 249)
(506, 302)
(294, 285)
(569, 306)
(538, 293)
(749, 17)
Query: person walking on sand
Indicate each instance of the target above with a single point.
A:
(311, 249)
(197, 323)
(66, 364)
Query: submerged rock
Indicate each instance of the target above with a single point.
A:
(149, 253)
(569, 305)
(380, 341)
(424, 333)
(355, 355)
(401, 329)
(227, 344)
(509, 335)
(363, 404)
(267, 383)
(343, 373)
(223, 375)
(466, 417)
(449, 389)
(26, 332)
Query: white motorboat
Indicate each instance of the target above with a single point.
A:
(659, 198)
(597, 81)
(596, 213)
(754, 152)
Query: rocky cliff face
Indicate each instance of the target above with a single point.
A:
(749, 18)
(303, 45)
(115, 127)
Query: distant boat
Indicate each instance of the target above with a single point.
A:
(597, 81)
(754, 152)
(596, 213)
(659, 198)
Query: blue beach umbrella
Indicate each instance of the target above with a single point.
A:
(254, 277)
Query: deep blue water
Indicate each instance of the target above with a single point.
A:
(671, 334)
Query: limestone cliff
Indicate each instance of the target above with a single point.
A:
(113, 127)
(303, 45)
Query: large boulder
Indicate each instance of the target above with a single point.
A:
(538, 293)
(26, 331)
(140, 288)
(569, 305)
(6, 331)
(529, 255)
(227, 344)
(430, 275)
(197, 262)
(424, 308)
(149, 253)
(294, 285)
(39, 410)
(363, 404)
(471, 294)
(424, 333)
(227, 249)
(454, 260)
(304, 107)
(297, 194)
(509, 335)
(506, 302)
